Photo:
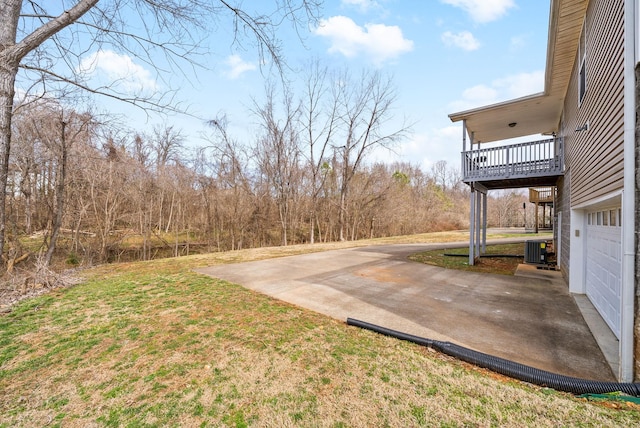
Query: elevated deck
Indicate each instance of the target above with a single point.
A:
(531, 164)
(542, 195)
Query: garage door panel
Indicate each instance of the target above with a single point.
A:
(604, 271)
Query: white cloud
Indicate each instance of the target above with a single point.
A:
(429, 146)
(363, 5)
(237, 66)
(119, 70)
(480, 94)
(378, 41)
(463, 40)
(483, 10)
(517, 43)
(521, 84)
(503, 89)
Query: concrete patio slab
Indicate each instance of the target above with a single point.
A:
(527, 319)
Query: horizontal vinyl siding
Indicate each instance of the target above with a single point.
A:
(595, 157)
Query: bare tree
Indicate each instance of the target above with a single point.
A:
(167, 142)
(505, 208)
(278, 154)
(48, 41)
(369, 190)
(26, 167)
(167, 145)
(318, 116)
(204, 169)
(235, 203)
(71, 125)
(45, 134)
(365, 115)
(440, 172)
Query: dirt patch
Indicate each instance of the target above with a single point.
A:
(498, 264)
(383, 275)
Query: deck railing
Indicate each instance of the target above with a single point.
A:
(542, 194)
(532, 159)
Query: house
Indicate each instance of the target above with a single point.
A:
(586, 116)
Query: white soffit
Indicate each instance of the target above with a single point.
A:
(535, 114)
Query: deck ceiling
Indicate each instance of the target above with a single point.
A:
(519, 183)
(538, 113)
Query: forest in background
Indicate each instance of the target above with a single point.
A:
(79, 188)
(86, 193)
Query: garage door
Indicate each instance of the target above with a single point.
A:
(604, 264)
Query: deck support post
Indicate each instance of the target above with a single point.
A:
(472, 223)
(478, 223)
(481, 219)
(484, 223)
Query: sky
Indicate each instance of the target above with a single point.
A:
(444, 56)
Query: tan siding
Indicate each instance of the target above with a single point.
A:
(595, 157)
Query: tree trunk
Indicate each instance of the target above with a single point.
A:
(60, 197)
(11, 53)
(168, 226)
(7, 80)
(9, 60)
(283, 212)
(341, 219)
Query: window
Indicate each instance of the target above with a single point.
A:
(608, 218)
(582, 70)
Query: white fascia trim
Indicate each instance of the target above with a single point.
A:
(628, 196)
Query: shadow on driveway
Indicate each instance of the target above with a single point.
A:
(528, 320)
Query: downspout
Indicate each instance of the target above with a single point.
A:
(628, 198)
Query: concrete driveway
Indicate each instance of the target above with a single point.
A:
(533, 321)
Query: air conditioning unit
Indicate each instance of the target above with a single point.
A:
(535, 252)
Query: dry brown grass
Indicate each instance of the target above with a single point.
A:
(155, 344)
(450, 259)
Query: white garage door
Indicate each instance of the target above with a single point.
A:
(604, 264)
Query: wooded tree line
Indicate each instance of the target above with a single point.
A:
(74, 186)
(43, 48)
(97, 194)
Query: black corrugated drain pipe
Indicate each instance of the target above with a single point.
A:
(509, 368)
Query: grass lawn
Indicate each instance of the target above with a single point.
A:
(155, 344)
(450, 260)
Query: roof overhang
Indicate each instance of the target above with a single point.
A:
(538, 113)
(533, 114)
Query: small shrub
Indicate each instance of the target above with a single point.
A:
(72, 259)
